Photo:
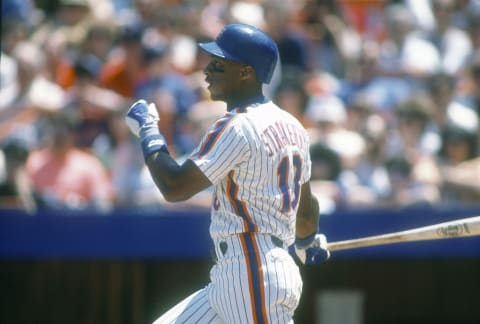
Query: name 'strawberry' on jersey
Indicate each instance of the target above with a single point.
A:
(279, 135)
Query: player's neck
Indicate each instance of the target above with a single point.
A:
(246, 99)
(247, 102)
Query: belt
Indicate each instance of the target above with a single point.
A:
(223, 246)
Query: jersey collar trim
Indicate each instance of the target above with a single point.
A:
(241, 107)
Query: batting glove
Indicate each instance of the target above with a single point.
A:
(311, 250)
(142, 119)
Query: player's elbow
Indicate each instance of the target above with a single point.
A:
(174, 198)
(174, 193)
(180, 183)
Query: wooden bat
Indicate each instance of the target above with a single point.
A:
(457, 228)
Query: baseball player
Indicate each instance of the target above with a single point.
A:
(257, 158)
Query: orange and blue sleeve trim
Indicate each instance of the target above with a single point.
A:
(214, 135)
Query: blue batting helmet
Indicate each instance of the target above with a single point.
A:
(248, 45)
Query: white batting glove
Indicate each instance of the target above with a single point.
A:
(142, 119)
(141, 115)
(312, 250)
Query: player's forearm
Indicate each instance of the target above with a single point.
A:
(176, 182)
(308, 219)
(166, 174)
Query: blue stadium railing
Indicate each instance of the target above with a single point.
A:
(182, 234)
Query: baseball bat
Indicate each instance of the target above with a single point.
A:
(452, 229)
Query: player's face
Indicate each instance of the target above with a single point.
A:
(223, 78)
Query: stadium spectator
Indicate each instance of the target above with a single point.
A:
(63, 175)
(132, 186)
(333, 40)
(404, 53)
(95, 47)
(459, 163)
(442, 90)
(405, 191)
(16, 189)
(14, 31)
(169, 90)
(368, 178)
(413, 132)
(34, 96)
(470, 94)
(416, 138)
(330, 117)
(71, 17)
(293, 45)
(124, 66)
(291, 95)
(363, 77)
(94, 105)
(452, 43)
(8, 80)
(326, 169)
(364, 60)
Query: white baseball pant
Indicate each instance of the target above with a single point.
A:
(254, 281)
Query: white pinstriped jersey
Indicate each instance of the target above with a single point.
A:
(257, 157)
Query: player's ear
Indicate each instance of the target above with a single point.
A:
(247, 72)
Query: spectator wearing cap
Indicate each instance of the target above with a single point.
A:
(459, 144)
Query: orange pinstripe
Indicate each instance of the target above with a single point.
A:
(250, 281)
(241, 210)
(233, 201)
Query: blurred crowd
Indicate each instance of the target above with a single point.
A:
(388, 90)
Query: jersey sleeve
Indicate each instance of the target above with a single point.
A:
(222, 148)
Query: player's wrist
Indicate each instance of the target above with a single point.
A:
(152, 141)
(304, 242)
